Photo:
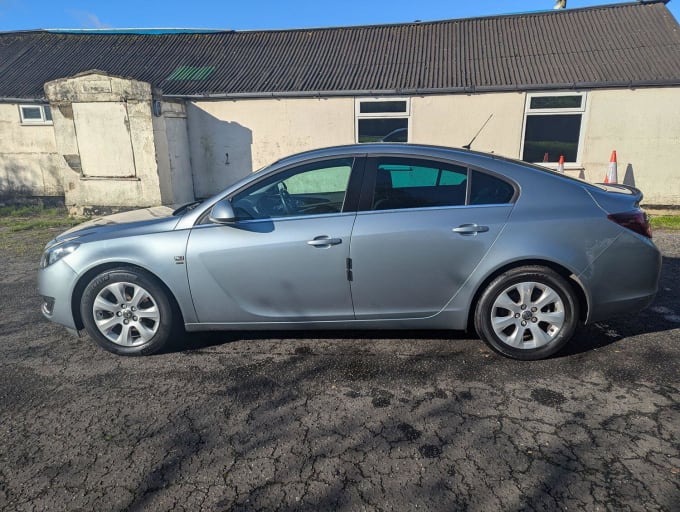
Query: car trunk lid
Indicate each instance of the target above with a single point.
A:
(621, 203)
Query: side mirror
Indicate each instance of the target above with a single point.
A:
(222, 212)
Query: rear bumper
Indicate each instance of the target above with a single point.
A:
(620, 307)
(623, 279)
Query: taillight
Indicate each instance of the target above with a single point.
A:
(635, 221)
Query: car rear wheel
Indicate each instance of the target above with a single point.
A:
(527, 313)
(127, 312)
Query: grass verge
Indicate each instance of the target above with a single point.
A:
(28, 218)
(24, 231)
(665, 222)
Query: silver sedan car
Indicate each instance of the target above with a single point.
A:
(370, 236)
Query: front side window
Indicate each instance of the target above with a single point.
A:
(379, 120)
(312, 189)
(553, 126)
(35, 114)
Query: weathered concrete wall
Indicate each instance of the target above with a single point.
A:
(173, 153)
(643, 126)
(104, 132)
(230, 139)
(29, 163)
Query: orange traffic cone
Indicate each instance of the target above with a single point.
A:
(560, 164)
(612, 176)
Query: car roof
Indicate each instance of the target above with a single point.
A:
(386, 148)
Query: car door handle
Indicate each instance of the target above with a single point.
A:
(470, 229)
(324, 241)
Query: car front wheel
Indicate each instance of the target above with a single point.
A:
(527, 313)
(127, 312)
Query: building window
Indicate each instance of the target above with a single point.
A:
(382, 120)
(553, 127)
(35, 114)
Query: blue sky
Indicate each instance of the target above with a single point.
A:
(255, 14)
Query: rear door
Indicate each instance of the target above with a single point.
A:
(425, 226)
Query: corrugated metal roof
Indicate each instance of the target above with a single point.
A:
(615, 45)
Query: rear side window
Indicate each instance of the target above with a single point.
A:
(487, 189)
(405, 183)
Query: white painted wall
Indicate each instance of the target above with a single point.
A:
(643, 126)
(29, 163)
(454, 120)
(254, 133)
(221, 141)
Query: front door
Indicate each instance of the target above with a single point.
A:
(285, 258)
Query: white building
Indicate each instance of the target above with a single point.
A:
(121, 118)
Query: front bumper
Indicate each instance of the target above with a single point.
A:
(56, 284)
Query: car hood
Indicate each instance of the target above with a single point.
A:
(134, 222)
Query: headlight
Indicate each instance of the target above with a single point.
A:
(54, 254)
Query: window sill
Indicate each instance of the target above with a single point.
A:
(567, 167)
(109, 178)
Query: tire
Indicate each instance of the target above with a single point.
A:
(527, 313)
(128, 312)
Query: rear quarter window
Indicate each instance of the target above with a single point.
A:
(487, 189)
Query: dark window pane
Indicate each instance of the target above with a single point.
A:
(376, 130)
(48, 113)
(553, 135)
(556, 102)
(377, 107)
(486, 189)
(411, 183)
(31, 113)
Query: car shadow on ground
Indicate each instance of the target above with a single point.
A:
(193, 341)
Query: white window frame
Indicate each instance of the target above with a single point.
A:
(381, 115)
(583, 110)
(43, 118)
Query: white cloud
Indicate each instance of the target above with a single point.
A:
(87, 19)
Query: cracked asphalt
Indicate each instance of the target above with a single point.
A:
(374, 421)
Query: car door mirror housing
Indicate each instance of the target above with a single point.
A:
(222, 212)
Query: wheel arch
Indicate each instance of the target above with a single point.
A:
(84, 280)
(570, 277)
